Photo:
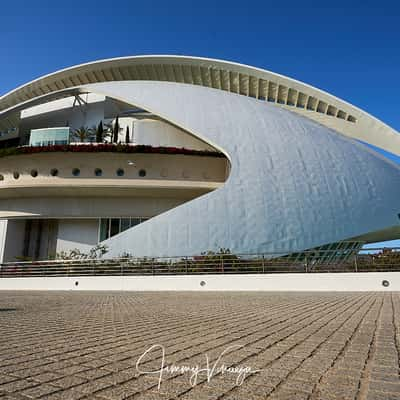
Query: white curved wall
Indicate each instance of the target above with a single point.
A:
(294, 184)
(155, 133)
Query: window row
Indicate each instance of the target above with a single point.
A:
(112, 226)
(75, 172)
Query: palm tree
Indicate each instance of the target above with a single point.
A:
(82, 134)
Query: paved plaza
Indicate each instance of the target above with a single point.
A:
(76, 345)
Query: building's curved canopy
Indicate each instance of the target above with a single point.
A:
(293, 184)
(244, 80)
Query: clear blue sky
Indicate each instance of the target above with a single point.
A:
(348, 48)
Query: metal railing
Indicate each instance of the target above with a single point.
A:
(371, 260)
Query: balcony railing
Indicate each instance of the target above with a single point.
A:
(371, 260)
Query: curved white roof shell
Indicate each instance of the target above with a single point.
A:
(236, 78)
(294, 184)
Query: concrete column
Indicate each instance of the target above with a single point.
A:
(3, 235)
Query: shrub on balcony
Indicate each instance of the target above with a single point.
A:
(105, 148)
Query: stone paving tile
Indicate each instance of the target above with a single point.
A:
(68, 381)
(63, 345)
(39, 391)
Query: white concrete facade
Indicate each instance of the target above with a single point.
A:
(294, 184)
(81, 234)
(13, 239)
(335, 282)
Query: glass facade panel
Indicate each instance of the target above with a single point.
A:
(114, 226)
(104, 229)
(49, 136)
(125, 224)
(135, 221)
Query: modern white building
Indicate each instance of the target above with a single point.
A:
(200, 155)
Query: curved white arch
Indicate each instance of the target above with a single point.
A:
(241, 79)
(294, 184)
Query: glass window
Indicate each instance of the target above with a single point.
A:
(76, 172)
(114, 226)
(120, 172)
(49, 136)
(54, 172)
(125, 224)
(104, 227)
(135, 221)
(98, 172)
